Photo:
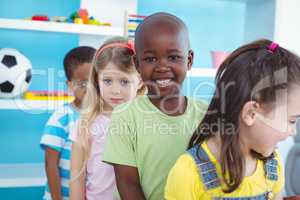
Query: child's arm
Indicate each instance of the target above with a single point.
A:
(128, 182)
(77, 181)
(52, 172)
(184, 182)
(278, 196)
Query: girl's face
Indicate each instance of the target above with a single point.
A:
(116, 86)
(276, 125)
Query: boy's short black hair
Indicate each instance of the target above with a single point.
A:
(76, 57)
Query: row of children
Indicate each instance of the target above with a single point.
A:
(129, 143)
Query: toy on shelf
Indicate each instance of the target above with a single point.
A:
(15, 73)
(79, 17)
(58, 19)
(40, 18)
(82, 17)
(48, 95)
(131, 23)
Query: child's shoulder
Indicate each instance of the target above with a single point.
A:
(197, 103)
(185, 163)
(132, 106)
(184, 179)
(64, 109)
(196, 108)
(63, 114)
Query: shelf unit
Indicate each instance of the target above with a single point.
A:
(22, 175)
(83, 29)
(202, 72)
(27, 105)
(17, 24)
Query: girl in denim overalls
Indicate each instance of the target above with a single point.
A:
(232, 154)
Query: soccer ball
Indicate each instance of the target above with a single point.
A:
(15, 73)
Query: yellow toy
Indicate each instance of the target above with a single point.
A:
(78, 21)
(46, 95)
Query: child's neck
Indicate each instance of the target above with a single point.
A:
(107, 113)
(171, 106)
(107, 110)
(76, 104)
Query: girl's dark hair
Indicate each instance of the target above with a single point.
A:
(251, 72)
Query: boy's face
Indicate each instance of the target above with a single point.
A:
(79, 80)
(163, 58)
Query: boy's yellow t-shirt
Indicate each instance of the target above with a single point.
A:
(184, 180)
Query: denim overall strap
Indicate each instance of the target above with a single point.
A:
(207, 169)
(271, 169)
(259, 197)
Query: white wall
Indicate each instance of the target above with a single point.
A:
(287, 24)
(112, 11)
(287, 34)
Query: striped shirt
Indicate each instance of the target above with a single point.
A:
(56, 137)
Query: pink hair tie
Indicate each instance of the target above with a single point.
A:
(272, 47)
(129, 45)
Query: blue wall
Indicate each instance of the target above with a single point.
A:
(26, 8)
(260, 21)
(213, 24)
(20, 131)
(20, 136)
(45, 50)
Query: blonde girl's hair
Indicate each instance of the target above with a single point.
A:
(119, 51)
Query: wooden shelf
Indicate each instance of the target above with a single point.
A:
(18, 24)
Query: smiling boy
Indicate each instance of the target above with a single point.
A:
(148, 135)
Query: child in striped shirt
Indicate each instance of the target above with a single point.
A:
(55, 142)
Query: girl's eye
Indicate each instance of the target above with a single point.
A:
(150, 59)
(107, 81)
(124, 82)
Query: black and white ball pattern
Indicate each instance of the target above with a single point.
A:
(15, 73)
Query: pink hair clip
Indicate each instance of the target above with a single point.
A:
(128, 45)
(272, 47)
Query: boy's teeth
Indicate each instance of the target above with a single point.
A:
(163, 83)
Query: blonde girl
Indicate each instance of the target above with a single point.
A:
(113, 80)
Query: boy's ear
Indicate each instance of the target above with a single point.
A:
(190, 59)
(70, 86)
(249, 112)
